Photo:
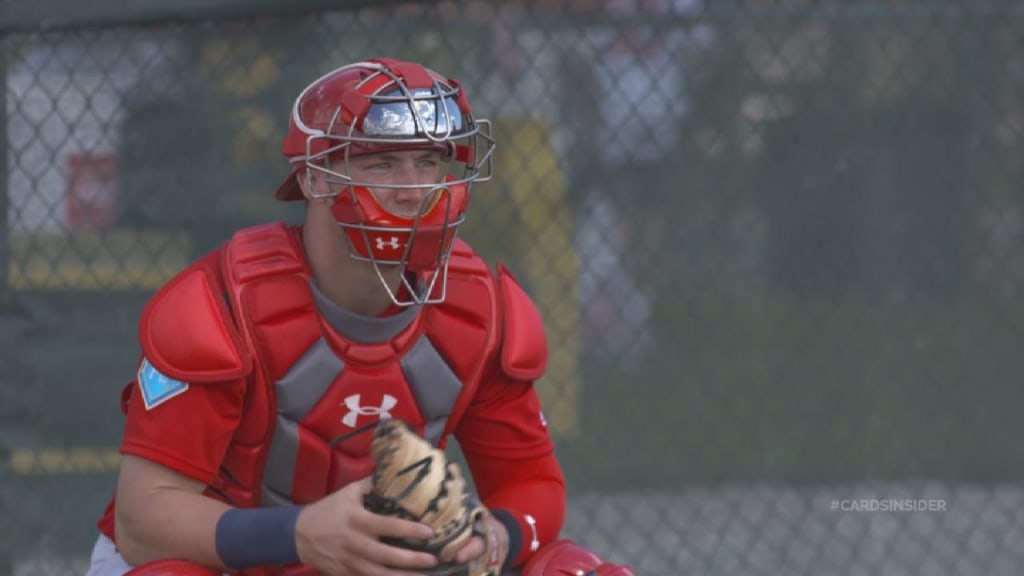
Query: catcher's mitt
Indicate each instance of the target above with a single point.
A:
(415, 481)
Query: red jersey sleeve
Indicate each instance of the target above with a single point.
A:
(504, 419)
(505, 441)
(188, 432)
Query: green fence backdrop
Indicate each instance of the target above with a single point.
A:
(778, 245)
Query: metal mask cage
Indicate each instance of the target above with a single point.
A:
(396, 118)
(424, 291)
(476, 154)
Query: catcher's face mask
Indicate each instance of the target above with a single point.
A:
(382, 106)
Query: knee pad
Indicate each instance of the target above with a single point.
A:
(566, 558)
(172, 568)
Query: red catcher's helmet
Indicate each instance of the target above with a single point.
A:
(566, 558)
(171, 568)
(384, 105)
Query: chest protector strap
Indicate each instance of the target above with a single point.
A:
(266, 278)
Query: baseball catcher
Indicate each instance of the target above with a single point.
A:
(261, 360)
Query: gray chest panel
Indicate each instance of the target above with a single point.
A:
(433, 384)
(307, 381)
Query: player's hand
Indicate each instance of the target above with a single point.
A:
(496, 532)
(339, 537)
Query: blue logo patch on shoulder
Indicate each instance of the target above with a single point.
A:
(157, 388)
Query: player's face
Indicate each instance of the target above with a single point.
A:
(419, 168)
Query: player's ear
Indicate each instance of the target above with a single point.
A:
(307, 181)
(314, 182)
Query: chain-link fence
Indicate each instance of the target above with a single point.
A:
(778, 244)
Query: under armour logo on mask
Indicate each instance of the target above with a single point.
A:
(392, 243)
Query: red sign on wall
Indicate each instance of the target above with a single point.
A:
(92, 191)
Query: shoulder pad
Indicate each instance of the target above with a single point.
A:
(524, 350)
(186, 331)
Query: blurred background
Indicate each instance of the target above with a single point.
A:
(778, 245)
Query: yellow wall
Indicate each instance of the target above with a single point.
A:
(523, 218)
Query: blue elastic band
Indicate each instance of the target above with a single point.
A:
(250, 537)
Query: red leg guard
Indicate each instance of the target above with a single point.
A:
(614, 570)
(172, 568)
(566, 558)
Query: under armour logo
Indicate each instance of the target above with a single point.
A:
(355, 410)
(534, 541)
(392, 243)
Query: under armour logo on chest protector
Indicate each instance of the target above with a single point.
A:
(355, 410)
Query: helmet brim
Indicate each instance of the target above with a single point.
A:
(290, 190)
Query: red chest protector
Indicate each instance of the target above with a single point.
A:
(311, 389)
